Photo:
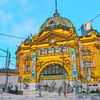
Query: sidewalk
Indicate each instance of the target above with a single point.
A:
(45, 95)
(34, 95)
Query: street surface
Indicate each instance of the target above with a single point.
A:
(34, 95)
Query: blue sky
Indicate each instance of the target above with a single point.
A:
(22, 17)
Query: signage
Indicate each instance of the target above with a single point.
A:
(74, 73)
(73, 52)
(33, 75)
(74, 66)
(33, 65)
(34, 56)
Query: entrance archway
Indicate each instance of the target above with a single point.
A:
(53, 73)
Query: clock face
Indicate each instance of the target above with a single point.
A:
(52, 40)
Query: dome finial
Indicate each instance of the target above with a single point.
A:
(56, 14)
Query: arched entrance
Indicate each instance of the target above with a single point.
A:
(53, 73)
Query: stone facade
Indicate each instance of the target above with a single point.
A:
(57, 52)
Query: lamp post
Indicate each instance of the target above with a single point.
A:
(88, 75)
(20, 80)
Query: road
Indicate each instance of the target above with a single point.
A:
(34, 95)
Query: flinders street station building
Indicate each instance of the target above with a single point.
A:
(58, 54)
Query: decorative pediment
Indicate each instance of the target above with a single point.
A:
(51, 37)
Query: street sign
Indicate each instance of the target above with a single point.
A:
(33, 75)
(33, 65)
(34, 56)
(74, 73)
(73, 52)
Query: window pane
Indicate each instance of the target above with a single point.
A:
(52, 51)
(64, 49)
(86, 52)
(42, 51)
(49, 50)
(38, 52)
(56, 50)
(45, 51)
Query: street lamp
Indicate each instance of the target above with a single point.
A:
(88, 75)
(20, 80)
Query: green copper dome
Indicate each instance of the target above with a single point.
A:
(56, 22)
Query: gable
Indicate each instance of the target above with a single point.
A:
(52, 36)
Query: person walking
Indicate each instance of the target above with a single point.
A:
(16, 89)
(65, 92)
(39, 89)
(59, 91)
(0, 90)
(40, 92)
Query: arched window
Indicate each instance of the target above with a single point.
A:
(88, 63)
(27, 68)
(86, 52)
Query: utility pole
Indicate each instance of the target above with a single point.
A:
(7, 66)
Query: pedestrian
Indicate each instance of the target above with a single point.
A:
(26, 86)
(53, 84)
(97, 90)
(16, 89)
(59, 91)
(40, 92)
(65, 92)
(9, 88)
(46, 86)
(74, 89)
(39, 86)
(0, 90)
(49, 88)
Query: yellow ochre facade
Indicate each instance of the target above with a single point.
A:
(57, 52)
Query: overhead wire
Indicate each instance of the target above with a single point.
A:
(94, 18)
(10, 57)
(12, 36)
(10, 63)
(90, 21)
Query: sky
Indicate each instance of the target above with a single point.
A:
(22, 17)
